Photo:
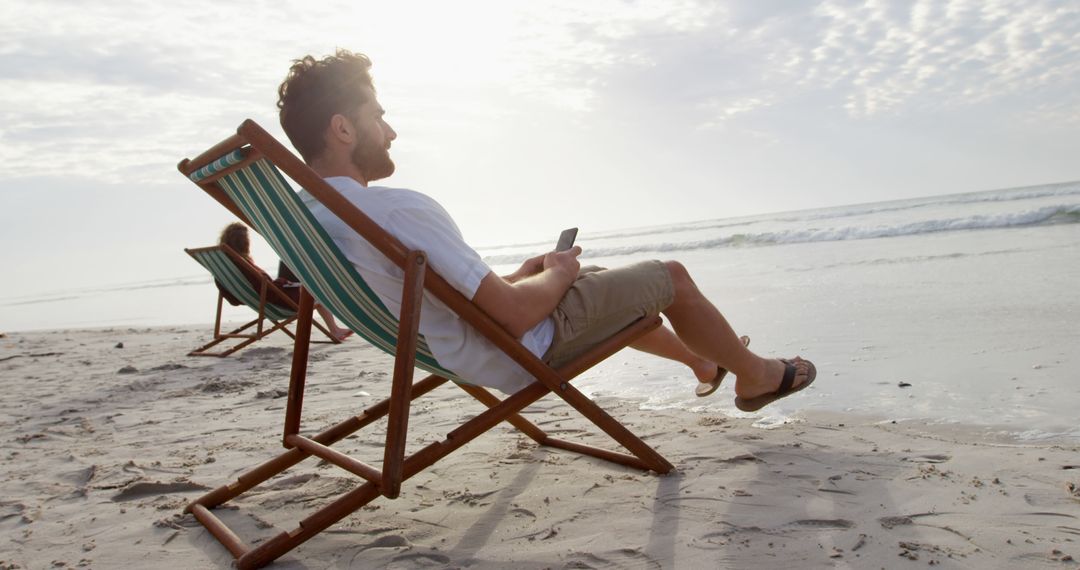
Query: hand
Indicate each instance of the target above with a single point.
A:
(528, 268)
(565, 262)
(531, 266)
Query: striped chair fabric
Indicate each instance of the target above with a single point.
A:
(271, 205)
(223, 269)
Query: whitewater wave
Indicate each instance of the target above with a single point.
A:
(1027, 193)
(636, 232)
(1016, 194)
(1050, 215)
(913, 259)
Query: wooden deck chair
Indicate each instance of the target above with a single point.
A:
(228, 269)
(242, 173)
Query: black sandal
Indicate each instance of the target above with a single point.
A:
(785, 389)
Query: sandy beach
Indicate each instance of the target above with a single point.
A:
(888, 189)
(108, 433)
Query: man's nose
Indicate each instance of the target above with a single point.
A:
(390, 132)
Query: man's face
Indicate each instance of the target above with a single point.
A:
(371, 153)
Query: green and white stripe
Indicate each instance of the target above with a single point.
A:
(218, 165)
(270, 204)
(223, 269)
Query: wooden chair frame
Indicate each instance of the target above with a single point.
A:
(266, 287)
(396, 466)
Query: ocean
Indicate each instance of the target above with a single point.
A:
(959, 308)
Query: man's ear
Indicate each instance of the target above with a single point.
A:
(341, 129)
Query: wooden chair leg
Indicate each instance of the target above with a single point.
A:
(217, 315)
(298, 373)
(272, 549)
(220, 337)
(285, 329)
(491, 400)
(644, 456)
(404, 362)
(616, 430)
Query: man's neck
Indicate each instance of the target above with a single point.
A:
(327, 167)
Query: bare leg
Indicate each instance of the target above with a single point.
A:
(338, 332)
(701, 327)
(662, 342)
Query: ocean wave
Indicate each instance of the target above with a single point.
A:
(49, 299)
(629, 233)
(833, 213)
(1050, 215)
(1026, 193)
(913, 259)
(70, 294)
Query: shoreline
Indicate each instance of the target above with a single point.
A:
(1003, 433)
(105, 446)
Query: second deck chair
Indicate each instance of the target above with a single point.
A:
(232, 271)
(242, 173)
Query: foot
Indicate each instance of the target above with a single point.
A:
(706, 384)
(341, 334)
(781, 378)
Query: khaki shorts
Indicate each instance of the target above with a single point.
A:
(604, 301)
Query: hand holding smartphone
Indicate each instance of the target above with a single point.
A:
(566, 239)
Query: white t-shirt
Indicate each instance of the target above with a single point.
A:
(421, 223)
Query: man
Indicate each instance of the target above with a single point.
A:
(557, 309)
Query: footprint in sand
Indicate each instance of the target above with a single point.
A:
(145, 489)
(622, 558)
(423, 559)
(821, 524)
(929, 458)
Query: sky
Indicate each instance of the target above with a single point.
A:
(523, 118)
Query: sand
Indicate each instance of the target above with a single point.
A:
(108, 433)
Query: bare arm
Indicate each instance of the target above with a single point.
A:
(519, 305)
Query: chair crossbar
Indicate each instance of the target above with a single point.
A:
(354, 466)
(598, 452)
(517, 420)
(223, 533)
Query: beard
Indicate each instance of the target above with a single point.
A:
(373, 161)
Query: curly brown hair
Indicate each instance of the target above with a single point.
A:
(316, 90)
(235, 235)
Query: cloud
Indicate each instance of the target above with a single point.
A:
(101, 131)
(940, 55)
(720, 111)
(87, 87)
(118, 93)
(871, 58)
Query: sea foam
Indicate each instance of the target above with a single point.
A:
(1047, 215)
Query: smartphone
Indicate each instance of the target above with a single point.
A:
(566, 239)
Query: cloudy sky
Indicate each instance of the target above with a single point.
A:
(526, 117)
